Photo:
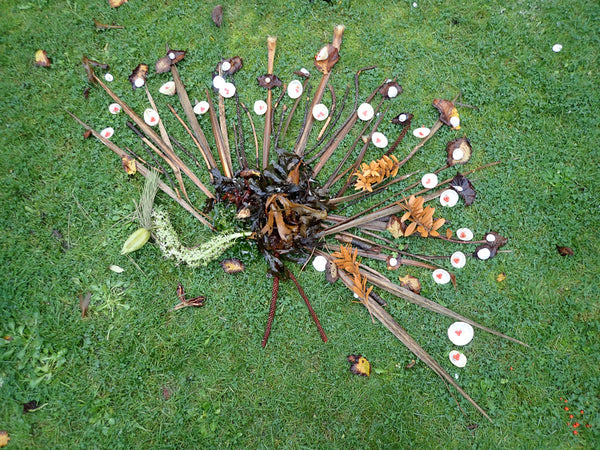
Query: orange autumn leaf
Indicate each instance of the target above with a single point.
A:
(116, 3)
(501, 277)
(4, 438)
(359, 365)
(232, 265)
(129, 165)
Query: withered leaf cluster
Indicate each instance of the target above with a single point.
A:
(346, 260)
(235, 64)
(411, 283)
(41, 59)
(284, 212)
(385, 89)
(493, 242)
(375, 172)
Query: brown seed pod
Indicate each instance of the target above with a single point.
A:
(448, 113)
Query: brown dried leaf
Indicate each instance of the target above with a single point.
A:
(331, 272)
(41, 59)
(384, 90)
(235, 64)
(139, 73)
(411, 364)
(464, 145)
(175, 55)
(448, 233)
(411, 283)
(326, 58)
(163, 65)
(396, 227)
(30, 406)
(84, 303)
(217, 15)
(104, 26)
(180, 292)
(116, 3)
(447, 111)
(269, 81)
(402, 119)
(465, 189)
(564, 251)
(233, 265)
(359, 365)
(410, 229)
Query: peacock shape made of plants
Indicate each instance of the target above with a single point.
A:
(282, 201)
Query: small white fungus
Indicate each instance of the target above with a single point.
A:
(108, 77)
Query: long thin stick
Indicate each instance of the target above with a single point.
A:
(271, 45)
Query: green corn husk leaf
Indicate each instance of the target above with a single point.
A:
(136, 241)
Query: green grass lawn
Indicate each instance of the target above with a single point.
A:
(133, 375)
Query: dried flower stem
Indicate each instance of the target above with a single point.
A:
(313, 314)
(222, 150)
(271, 311)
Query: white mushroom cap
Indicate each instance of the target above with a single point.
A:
(295, 89)
(227, 90)
(172, 55)
(114, 108)
(421, 132)
(108, 77)
(490, 237)
(392, 91)
(464, 234)
(320, 112)
(151, 117)
(379, 140)
(305, 72)
(449, 198)
(441, 276)
(107, 132)
(168, 88)
(218, 82)
(429, 180)
(455, 121)
(319, 263)
(201, 107)
(460, 333)
(402, 117)
(457, 358)
(393, 262)
(260, 107)
(365, 111)
(323, 54)
(225, 66)
(484, 253)
(458, 260)
(139, 82)
(557, 48)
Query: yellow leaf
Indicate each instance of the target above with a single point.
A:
(359, 365)
(4, 438)
(501, 277)
(129, 165)
(411, 283)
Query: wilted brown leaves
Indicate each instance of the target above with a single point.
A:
(233, 265)
(411, 283)
(345, 260)
(447, 112)
(41, 59)
(376, 171)
(564, 251)
(421, 219)
(326, 58)
(138, 76)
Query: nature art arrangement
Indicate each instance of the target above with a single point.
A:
(282, 201)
